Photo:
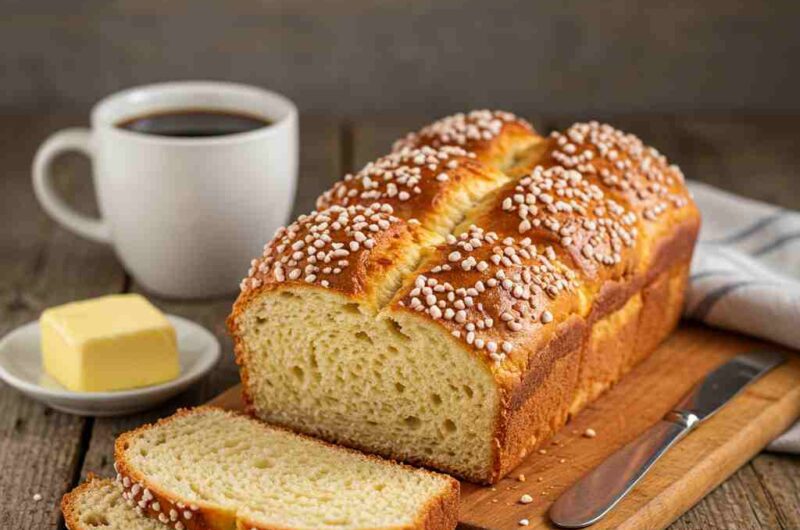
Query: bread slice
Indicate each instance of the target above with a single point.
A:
(207, 468)
(97, 504)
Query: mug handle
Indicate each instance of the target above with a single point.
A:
(74, 139)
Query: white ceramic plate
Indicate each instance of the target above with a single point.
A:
(21, 367)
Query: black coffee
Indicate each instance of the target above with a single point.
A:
(193, 123)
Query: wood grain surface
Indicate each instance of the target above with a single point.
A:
(40, 265)
(697, 464)
(46, 452)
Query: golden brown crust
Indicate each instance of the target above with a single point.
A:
(495, 294)
(391, 206)
(526, 425)
(419, 183)
(551, 244)
(603, 344)
(597, 195)
(150, 501)
(339, 248)
(441, 512)
(590, 220)
(586, 363)
(69, 502)
(495, 137)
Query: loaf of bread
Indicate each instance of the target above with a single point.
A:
(210, 469)
(454, 302)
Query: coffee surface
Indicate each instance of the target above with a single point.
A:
(193, 123)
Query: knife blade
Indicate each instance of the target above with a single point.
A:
(593, 496)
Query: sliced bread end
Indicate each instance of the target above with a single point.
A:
(97, 504)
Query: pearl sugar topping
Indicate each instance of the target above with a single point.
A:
(140, 498)
(575, 210)
(399, 176)
(514, 269)
(462, 129)
(623, 163)
(319, 246)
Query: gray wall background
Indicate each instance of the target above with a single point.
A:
(352, 57)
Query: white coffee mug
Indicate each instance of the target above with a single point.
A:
(184, 214)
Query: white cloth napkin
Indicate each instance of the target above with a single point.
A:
(746, 274)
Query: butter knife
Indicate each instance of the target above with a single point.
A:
(593, 496)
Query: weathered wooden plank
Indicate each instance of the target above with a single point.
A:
(41, 265)
(780, 477)
(739, 502)
(320, 165)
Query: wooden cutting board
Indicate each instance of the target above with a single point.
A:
(682, 477)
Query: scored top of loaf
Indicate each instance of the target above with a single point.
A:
(417, 183)
(539, 249)
(566, 214)
(421, 190)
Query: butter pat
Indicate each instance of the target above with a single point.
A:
(108, 343)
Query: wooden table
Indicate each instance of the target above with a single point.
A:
(46, 452)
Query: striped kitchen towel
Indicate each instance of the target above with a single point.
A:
(746, 273)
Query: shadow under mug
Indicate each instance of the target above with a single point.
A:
(184, 215)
